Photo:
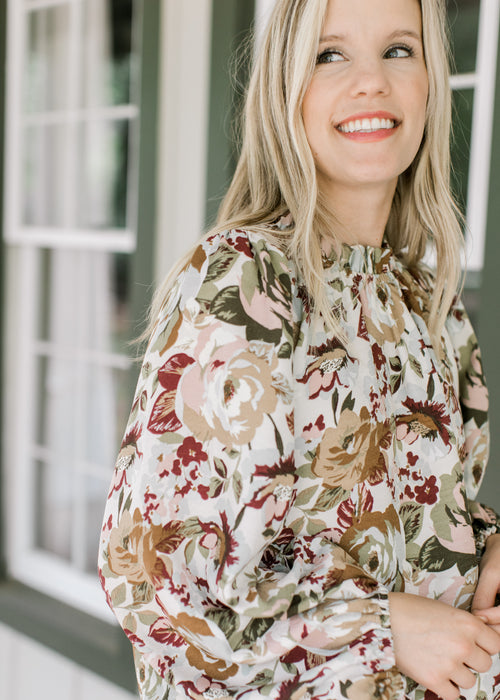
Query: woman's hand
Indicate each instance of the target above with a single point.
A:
(439, 646)
(488, 586)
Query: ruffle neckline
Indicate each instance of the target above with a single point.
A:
(352, 258)
(362, 259)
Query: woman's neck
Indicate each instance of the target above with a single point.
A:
(361, 213)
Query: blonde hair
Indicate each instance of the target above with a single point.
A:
(276, 172)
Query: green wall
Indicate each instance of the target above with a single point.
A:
(489, 312)
(231, 20)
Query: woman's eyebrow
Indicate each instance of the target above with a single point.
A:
(331, 37)
(396, 34)
(405, 32)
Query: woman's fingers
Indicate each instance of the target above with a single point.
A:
(488, 585)
(448, 691)
(479, 660)
(489, 640)
(464, 678)
(486, 591)
(489, 615)
(439, 646)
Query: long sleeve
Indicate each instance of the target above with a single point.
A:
(474, 406)
(199, 558)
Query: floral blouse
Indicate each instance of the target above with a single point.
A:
(274, 483)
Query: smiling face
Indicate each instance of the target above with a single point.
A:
(364, 109)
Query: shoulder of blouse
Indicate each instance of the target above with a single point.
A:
(241, 277)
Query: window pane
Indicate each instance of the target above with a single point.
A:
(54, 506)
(463, 16)
(107, 52)
(96, 494)
(55, 406)
(83, 313)
(462, 128)
(109, 394)
(103, 162)
(82, 394)
(47, 59)
(121, 281)
(45, 168)
(83, 301)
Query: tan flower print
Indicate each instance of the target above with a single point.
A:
(139, 551)
(352, 452)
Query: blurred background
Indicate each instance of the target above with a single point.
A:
(116, 144)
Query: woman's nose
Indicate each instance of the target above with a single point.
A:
(369, 78)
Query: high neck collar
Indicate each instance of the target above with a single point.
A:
(363, 259)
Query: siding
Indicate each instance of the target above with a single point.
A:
(30, 670)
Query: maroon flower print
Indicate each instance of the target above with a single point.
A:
(428, 491)
(191, 451)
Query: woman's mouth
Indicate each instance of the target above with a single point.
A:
(366, 126)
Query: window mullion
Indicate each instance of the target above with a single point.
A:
(13, 151)
(74, 77)
(23, 485)
(82, 312)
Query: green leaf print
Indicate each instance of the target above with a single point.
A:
(256, 629)
(237, 485)
(395, 364)
(224, 618)
(285, 351)
(143, 593)
(435, 557)
(147, 617)
(220, 467)
(431, 390)
(349, 403)
(227, 307)
(119, 594)
(330, 498)
(221, 264)
(305, 496)
(216, 487)
(412, 517)
(416, 366)
(192, 527)
(264, 678)
(189, 551)
(335, 402)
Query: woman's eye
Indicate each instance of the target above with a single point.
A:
(330, 56)
(399, 52)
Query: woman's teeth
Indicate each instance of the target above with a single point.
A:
(366, 125)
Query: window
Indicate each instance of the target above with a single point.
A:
(474, 33)
(71, 212)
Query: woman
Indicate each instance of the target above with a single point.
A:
(291, 514)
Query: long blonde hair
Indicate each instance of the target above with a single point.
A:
(276, 171)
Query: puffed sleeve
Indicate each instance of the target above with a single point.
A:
(474, 404)
(203, 484)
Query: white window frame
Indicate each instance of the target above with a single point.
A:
(27, 564)
(482, 81)
(66, 236)
(181, 186)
